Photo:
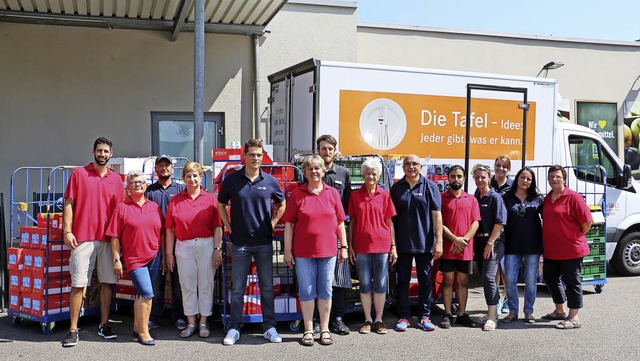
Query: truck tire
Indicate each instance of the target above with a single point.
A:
(626, 259)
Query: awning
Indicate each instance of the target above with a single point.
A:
(174, 16)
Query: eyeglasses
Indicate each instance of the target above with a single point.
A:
(137, 183)
(522, 209)
(411, 164)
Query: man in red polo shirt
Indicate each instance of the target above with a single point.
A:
(91, 196)
(460, 220)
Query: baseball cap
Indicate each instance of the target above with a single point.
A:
(164, 157)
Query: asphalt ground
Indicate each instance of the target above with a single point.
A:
(610, 331)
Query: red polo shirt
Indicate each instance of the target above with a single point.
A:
(139, 229)
(95, 197)
(316, 219)
(368, 215)
(193, 218)
(561, 235)
(457, 214)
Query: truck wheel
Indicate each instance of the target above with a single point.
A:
(626, 259)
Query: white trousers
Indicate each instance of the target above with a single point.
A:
(195, 270)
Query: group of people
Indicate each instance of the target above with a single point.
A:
(177, 228)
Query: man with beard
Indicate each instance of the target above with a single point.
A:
(418, 227)
(91, 196)
(339, 178)
(161, 192)
(460, 219)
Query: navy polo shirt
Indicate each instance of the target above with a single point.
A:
(523, 232)
(492, 211)
(501, 190)
(339, 178)
(412, 223)
(161, 195)
(250, 206)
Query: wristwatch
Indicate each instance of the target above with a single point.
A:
(116, 261)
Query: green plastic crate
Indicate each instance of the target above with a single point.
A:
(596, 230)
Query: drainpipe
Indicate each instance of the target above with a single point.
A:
(256, 89)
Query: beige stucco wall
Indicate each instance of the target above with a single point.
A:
(592, 71)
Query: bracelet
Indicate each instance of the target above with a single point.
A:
(67, 232)
(393, 245)
(344, 247)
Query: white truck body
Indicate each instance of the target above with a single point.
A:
(385, 110)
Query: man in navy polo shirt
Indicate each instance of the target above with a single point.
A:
(252, 221)
(161, 192)
(418, 226)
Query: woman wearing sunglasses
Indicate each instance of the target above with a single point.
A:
(523, 241)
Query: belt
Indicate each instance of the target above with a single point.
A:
(483, 234)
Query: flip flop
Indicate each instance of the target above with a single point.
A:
(204, 331)
(326, 341)
(307, 341)
(189, 331)
(555, 316)
(569, 324)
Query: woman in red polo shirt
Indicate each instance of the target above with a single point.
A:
(566, 218)
(313, 219)
(372, 243)
(136, 228)
(193, 221)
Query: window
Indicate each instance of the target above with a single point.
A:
(172, 134)
(587, 152)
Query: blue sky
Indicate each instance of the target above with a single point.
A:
(592, 19)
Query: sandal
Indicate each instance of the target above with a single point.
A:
(189, 331)
(569, 324)
(326, 341)
(490, 325)
(307, 341)
(510, 318)
(204, 331)
(555, 316)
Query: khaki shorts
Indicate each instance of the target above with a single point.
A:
(85, 258)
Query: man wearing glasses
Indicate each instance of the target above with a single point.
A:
(418, 227)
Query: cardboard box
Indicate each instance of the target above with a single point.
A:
(58, 258)
(53, 234)
(26, 303)
(49, 304)
(26, 282)
(52, 220)
(39, 261)
(54, 284)
(27, 259)
(14, 259)
(57, 245)
(14, 281)
(38, 234)
(15, 301)
(25, 236)
(286, 304)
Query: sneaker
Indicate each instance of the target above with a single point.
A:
(338, 327)
(152, 325)
(465, 320)
(106, 332)
(232, 336)
(271, 335)
(426, 324)
(505, 307)
(380, 328)
(446, 322)
(499, 308)
(366, 327)
(181, 324)
(71, 339)
(402, 325)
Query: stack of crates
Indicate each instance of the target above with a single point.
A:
(594, 265)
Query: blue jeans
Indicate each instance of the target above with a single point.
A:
(240, 263)
(423, 269)
(315, 277)
(489, 268)
(157, 305)
(373, 272)
(144, 277)
(530, 264)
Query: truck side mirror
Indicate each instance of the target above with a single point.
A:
(624, 180)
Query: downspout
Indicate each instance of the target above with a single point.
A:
(256, 87)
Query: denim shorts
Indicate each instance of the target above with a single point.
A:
(315, 277)
(144, 277)
(373, 272)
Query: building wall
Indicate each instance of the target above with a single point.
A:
(593, 70)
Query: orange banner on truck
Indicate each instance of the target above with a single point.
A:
(432, 125)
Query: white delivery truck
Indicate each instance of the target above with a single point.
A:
(453, 117)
